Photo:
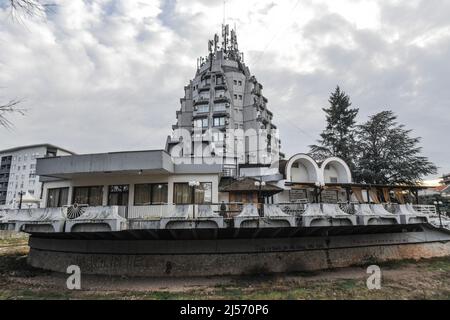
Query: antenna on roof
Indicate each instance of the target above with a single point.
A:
(224, 16)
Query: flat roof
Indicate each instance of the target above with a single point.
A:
(124, 162)
(48, 145)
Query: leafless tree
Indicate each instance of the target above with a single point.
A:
(21, 9)
(29, 8)
(7, 109)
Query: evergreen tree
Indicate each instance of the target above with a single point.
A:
(387, 153)
(338, 136)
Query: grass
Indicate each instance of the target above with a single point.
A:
(406, 279)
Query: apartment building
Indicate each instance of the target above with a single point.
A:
(18, 172)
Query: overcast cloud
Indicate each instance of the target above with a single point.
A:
(107, 75)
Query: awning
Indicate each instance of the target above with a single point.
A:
(248, 185)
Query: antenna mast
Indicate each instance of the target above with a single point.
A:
(224, 6)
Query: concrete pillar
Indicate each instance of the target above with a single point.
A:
(70, 195)
(105, 195)
(131, 195)
(170, 192)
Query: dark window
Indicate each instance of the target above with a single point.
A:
(147, 194)
(184, 194)
(118, 195)
(92, 196)
(57, 197)
(219, 121)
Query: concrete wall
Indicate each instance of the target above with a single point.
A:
(232, 264)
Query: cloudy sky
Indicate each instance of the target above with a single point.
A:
(107, 75)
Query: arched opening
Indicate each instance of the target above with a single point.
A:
(335, 170)
(302, 168)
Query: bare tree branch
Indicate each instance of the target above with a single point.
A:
(7, 109)
(29, 8)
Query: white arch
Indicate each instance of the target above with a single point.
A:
(302, 168)
(337, 168)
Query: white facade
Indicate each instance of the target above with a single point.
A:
(131, 180)
(19, 175)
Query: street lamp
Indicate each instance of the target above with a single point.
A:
(193, 185)
(21, 194)
(438, 204)
(260, 184)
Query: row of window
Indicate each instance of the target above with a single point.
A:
(25, 157)
(203, 122)
(219, 81)
(204, 108)
(23, 167)
(144, 194)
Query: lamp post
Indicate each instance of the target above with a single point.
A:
(260, 184)
(438, 207)
(21, 194)
(193, 185)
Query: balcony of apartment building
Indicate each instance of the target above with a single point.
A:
(221, 108)
(202, 99)
(201, 110)
(5, 161)
(5, 169)
(205, 85)
(4, 178)
(220, 96)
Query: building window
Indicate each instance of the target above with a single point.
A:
(235, 82)
(185, 194)
(206, 81)
(92, 196)
(240, 97)
(220, 93)
(333, 179)
(204, 95)
(203, 108)
(240, 82)
(219, 121)
(57, 197)
(218, 137)
(118, 195)
(220, 107)
(201, 123)
(147, 194)
(219, 80)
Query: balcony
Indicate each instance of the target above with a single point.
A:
(201, 111)
(221, 108)
(234, 215)
(201, 101)
(222, 86)
(221, 99)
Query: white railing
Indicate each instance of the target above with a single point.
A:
(292, 208)
(151, 211)
(425, 209)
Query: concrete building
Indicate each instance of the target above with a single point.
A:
(225, 112)
(18, 172)
(137, 180)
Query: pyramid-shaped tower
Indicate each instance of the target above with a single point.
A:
(224, 113)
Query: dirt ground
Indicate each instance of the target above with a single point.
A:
(424, 279)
